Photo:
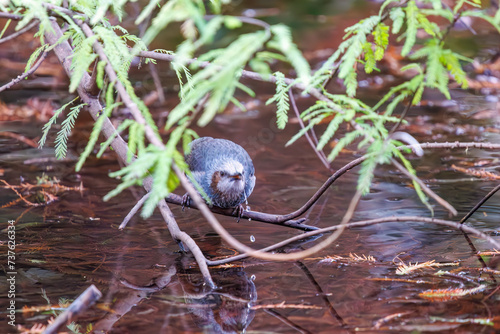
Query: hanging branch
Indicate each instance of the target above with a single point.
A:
(63, 51)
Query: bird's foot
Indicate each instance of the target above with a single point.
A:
(239, 210)
(186, 201)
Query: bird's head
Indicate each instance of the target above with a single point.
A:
(229, 178)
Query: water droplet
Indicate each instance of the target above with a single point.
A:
(252, 238)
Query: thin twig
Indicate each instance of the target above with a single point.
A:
(424, 187)
(19, 137)
(133, 211)
(11, 16)
(19, 33)
(320, 154)
(27, 73)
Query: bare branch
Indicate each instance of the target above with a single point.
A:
(426, 189)
(320, 154)
(27, 73)
(19, 33)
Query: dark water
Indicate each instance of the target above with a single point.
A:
(74, 242)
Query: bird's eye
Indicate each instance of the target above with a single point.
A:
(222, 173)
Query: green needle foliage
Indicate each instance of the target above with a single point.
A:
(209, 70)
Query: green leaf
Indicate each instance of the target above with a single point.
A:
(343, 142)
(412, 27)
(281, 98)
(303, 131)
(330, 131)
(66, 126)
(284, 43)
(52, 120)
(397, 16)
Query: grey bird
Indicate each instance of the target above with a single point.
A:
(224, 171)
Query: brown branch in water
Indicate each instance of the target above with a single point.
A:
(321, 293)
(481, 173)
(82, 303)
(20, 196)
(27, 73)
(382, 321)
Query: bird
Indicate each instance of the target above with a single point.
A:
(223, 170)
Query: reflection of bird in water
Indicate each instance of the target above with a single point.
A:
(224, 171)
(226, 310)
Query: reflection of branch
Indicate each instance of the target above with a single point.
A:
(480, 203)
(466, 236)
(321, 293)
(287, 321)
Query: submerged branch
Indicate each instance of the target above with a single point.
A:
(82, 303)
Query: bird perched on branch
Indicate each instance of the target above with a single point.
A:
(224, 171)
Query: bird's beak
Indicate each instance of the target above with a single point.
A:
(236, 177)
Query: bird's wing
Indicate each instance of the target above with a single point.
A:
(197, 158)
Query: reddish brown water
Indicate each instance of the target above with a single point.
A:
(74, 242)
(64, 247)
